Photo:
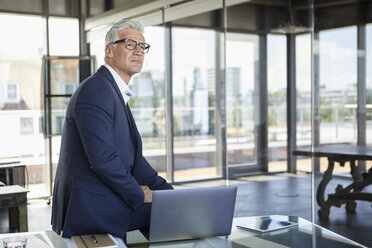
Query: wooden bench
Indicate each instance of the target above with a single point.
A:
(14, 198)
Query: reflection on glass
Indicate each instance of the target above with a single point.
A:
(369, 89)
(59, 106)
(194, 102)
(64, 76)
(338, 87)
(277, 101)
(303, 95)
(148, 100)
(241, 57)
(369, 84)
(20, 110)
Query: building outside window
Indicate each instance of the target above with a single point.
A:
(20, 71)
(277, 101)
(240, 77)
(12, 92)
(148, 100)
(194, 102)
(338, 85)
(338, 88)
(303, 97)
(21, 101)
(27, 126)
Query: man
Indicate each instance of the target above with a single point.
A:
(103, 183)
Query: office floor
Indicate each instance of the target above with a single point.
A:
(258, 195)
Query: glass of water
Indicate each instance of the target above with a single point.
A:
(15, 242)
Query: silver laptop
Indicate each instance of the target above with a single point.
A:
(191, 213)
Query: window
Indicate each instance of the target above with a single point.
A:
(20, 77)
(59, 124)
(64, 75)
(338, 88)
(41, 124)
(303, 95)
(12, 92)
(64, 43)
(369, 84)
(27, 125)
(148, 101)
(194, 83)
(70, 88)
(241, 62)
(338, 85)
(277, 101)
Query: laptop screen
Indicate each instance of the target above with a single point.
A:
(192, 213)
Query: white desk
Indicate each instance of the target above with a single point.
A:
(306, 234)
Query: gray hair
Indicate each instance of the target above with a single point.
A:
(113, 34)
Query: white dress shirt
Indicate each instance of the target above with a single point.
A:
(125, 91)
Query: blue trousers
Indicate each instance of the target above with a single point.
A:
(140, 218)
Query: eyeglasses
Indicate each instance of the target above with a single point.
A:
(132, 44)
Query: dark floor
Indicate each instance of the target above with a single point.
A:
(259, 195)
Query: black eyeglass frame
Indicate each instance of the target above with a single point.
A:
(145, 50)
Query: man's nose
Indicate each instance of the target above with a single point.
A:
(137, 50)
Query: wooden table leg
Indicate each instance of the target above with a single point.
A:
(351, 205)
(23, 220)
(13, 217)
(347, 195)
(18, 218)
(323, 212)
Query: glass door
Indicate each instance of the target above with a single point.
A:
(62, 76)
(194, 80)
(241, 62)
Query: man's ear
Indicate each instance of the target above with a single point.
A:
(108, 51)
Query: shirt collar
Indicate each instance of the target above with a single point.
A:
(125, 91)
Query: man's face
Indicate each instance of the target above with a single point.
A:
(126, 62)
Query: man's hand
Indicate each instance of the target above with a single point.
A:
(148, 194)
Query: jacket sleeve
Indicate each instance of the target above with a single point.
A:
(150, 177)
(94, 117)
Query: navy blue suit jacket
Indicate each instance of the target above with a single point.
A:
(100, 167)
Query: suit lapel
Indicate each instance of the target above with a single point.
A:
(131, 120)
(128, 114)
(136, 170)
(108, 75)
